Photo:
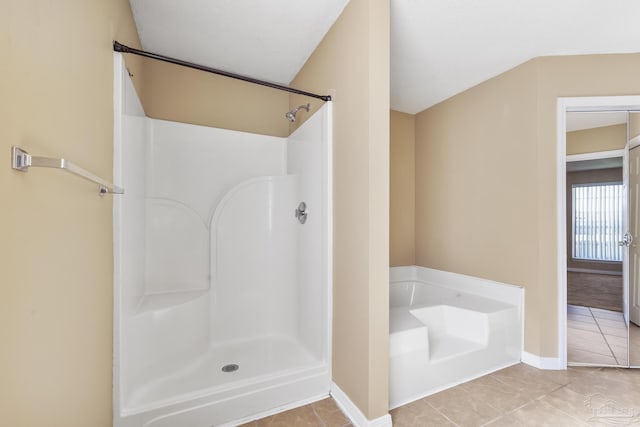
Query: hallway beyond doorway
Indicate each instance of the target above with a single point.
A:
(595, 290)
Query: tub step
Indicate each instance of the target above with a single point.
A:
(406, 333)
(459, 324)
(448, 347)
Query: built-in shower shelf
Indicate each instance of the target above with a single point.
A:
(161, 301)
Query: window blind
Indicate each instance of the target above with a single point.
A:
(597, 222)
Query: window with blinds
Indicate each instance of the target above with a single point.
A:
(597, 221)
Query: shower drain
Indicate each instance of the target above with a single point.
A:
(232, 367)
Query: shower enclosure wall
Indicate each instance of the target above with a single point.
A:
(222, 296)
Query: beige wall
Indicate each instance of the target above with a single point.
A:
(352, 63)
(402, 248)
(176, 93)
(476, 185)
(56, 247)
(603, 138)
(486, 178)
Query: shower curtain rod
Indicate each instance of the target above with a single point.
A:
(119, 47)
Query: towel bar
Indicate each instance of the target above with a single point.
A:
(22, 161)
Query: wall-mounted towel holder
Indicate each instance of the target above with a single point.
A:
(22, 161)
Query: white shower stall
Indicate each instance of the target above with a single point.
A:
(222, 296)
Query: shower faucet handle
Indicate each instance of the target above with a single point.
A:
(301, 212)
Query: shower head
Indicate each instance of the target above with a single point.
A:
(291, 115)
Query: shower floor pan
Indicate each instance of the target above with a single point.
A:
(262, 363)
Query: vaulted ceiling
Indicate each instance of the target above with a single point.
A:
(439, 48)
(270, 40)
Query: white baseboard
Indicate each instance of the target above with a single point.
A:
(353, 412)
(551, 363)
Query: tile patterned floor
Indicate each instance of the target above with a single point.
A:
(516, 396)
(324, 413)
(596, 336)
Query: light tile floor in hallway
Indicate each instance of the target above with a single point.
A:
(596, 336)
(516, 396)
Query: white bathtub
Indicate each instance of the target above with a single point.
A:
(447, 328)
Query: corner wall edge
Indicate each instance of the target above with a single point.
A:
(549, 363)
(353, 412)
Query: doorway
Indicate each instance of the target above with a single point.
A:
(595, 213)
(594, 273)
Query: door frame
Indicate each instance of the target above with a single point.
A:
(564, 105)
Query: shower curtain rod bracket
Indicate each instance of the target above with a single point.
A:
(119, 47)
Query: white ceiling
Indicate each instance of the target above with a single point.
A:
(438, 47)
(269, 40)
(442, 47)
